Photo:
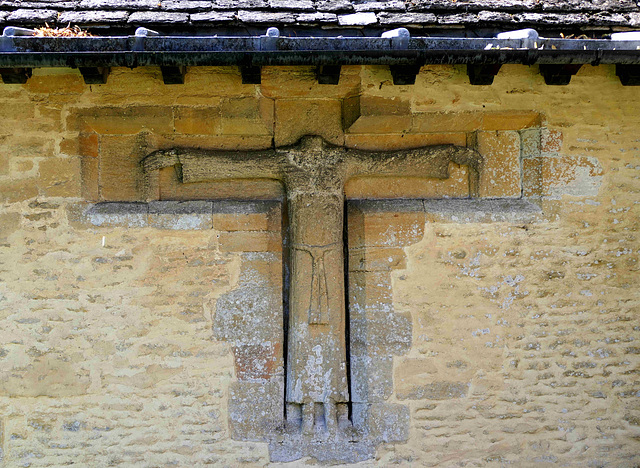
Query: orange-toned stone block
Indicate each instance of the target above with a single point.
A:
(247, 116)
(381, 124)
(571, 175)
(86, 144)
(214, 142)
(296, 118)
(267, 221)
(510, 120)
(71, 83)
(384, 105)
(250, 241)
(258, 361)
(500, 173)
(376, 259)
(90, 170)
(446, 122)
(121, 120)
(384, 229)
(550, 140)
(197, 120)
(120, 170)
(532, 177)
(302, 82)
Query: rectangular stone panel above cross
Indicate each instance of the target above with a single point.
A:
(318, 398)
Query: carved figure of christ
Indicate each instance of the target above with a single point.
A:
(314, 174)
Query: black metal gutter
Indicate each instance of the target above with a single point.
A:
(397, 49)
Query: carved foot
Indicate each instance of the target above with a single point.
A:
(319, 420)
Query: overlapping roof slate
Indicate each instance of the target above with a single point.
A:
(176, 16)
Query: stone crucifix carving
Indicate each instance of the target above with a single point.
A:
(314, 174)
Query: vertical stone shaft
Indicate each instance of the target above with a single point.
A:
(317, 367)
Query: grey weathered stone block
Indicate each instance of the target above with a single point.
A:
(191, 215)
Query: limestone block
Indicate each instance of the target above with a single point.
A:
(109, 215)
(59, 177)
(9, 223)
(47, 375)
(171, 188)
(247, 116)
(532, 177)
(247, 216)
(70, 82)
(295, 118)
(120, 173)
(176, 215)
(391, 329)
(369, 290)
(249, 315)
(250, 241)
(439, 122)
(255, 409)
(197, 120)
(126, 120)
(500, 173)
(290, 82)
(258, 362)
(376, 259)
(571, 175)
(86, 144)
(383, 422)
(510, 120)
(550, 140)
(385, 229)
(425, 390)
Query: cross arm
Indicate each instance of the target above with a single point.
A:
(202, 165)
(429, 161)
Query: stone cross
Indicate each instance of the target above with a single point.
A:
(314, 174)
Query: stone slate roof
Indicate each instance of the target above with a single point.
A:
(187, 16)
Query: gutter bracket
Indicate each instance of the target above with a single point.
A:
(15, 75)
(482, 75)
(173, 75)
(559, 75)
(399, 40)
(328, 74)
(94, 75)
(629, 74)
(250, 74)
(404, 74)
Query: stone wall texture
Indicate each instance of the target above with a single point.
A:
(503, 330)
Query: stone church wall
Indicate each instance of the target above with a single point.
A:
(505, 327)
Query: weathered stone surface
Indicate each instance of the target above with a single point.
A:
(184, 15)
(179, 215)
(263, 402)
(92, 16)
(533, 305)
(500, 176)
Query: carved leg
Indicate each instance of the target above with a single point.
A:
(308, 418)
(330, 416)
